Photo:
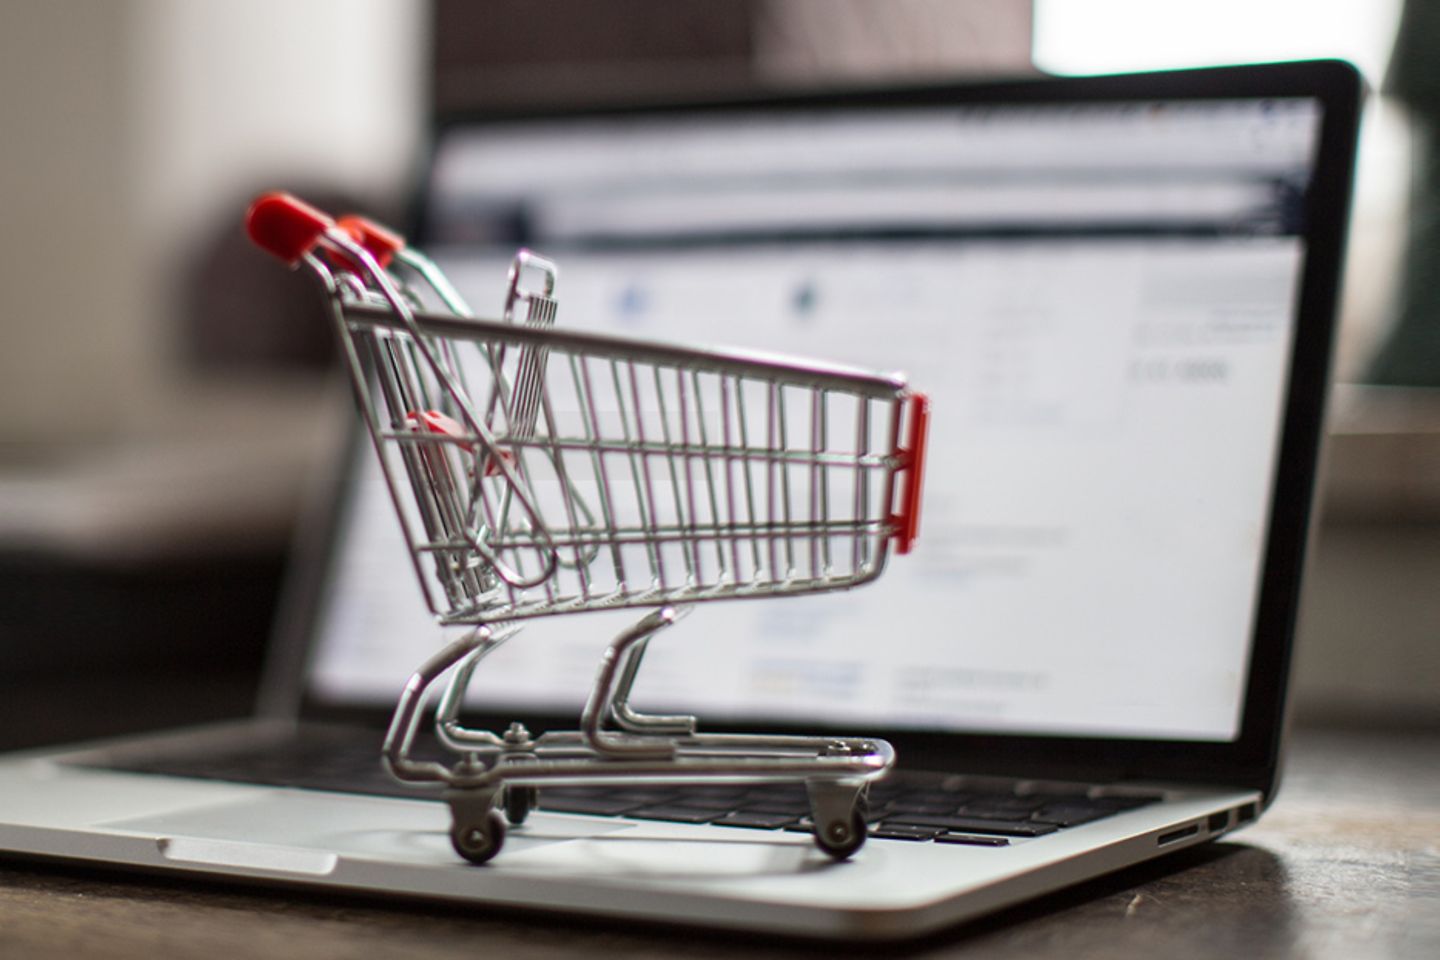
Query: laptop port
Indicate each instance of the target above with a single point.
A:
(1174, 835)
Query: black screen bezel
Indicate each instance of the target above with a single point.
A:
(1252, 759)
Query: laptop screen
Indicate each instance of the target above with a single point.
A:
(1100, 300)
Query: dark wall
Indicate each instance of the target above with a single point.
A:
(508, 53)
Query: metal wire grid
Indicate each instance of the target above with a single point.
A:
(614, 473)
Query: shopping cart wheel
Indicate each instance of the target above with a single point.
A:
(841, 838)
(478, 841)
(519, 801)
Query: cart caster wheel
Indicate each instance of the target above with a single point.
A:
(519, 801)
(841, 839)
(478, 842)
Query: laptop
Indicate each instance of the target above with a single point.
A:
(1119, 293)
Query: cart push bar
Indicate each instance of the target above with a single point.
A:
(538, 471)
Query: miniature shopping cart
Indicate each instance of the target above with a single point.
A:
(538, 472)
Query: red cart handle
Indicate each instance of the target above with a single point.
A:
(437, 422)
(912, 464)
(285, 226)
(382, 243)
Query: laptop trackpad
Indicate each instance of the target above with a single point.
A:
(367, 827)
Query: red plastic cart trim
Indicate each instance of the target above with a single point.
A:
(285, 226)
(912, 464)
(437, 422)
(380, 242)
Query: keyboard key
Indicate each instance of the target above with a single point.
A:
(778, 792)
(903, 831)
(647, 798)
(1118, 803)
(758, 821)
(676, 814)
(1000, 808)
(599, 806)
(1008, 828)
(791, 810)
(911, 806)
(944, 798)
(972, 840)
(581, 791)
(1069, 815)
(729, 796)
(1077, 795)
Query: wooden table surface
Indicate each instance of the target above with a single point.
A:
(1345, 865)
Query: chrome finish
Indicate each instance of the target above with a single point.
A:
(537, 471)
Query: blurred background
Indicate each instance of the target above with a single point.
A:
(167, 402)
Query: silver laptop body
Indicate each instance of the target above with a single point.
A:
(1120, 294)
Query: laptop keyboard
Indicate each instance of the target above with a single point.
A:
(911, 807)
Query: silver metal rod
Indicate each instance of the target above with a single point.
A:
(669, 533)
(708, 462)
(725, 429)
(862, 479)
(400, 737)
(778, 392)
(448, 729)
(748, 480)
(405, 319)
(762, 366)
(500, 501)
(635, 447)
(680, 493)
(602, 695)
(631, 720)
(642, 503)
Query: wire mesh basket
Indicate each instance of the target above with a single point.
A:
(538, 471)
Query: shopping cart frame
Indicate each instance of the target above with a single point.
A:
(614, 743)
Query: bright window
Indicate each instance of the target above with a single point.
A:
(1107, 36)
